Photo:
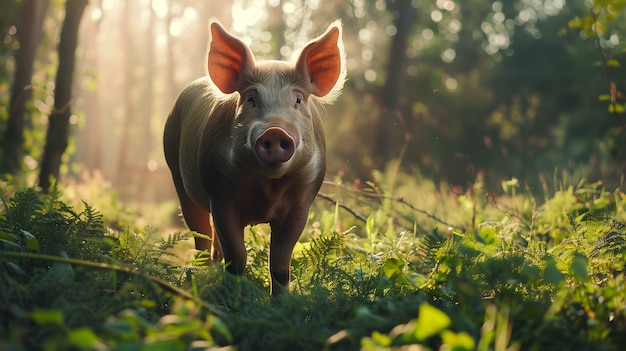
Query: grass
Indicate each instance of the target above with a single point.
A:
(398, 263)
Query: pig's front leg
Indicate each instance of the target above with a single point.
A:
(285, 234)
(230, 232)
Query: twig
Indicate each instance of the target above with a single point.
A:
(606, 68)
(377, 196)
(119, 268)
(352, 212)
(431, 216)
(494, 202)
(405, 145)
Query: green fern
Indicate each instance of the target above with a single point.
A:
(258, 247)
(22, 209)
(318, 255)
(609, 246)
(429, 246)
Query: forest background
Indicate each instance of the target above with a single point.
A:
(474, 196)
(458, 92)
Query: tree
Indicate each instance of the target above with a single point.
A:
(29, 33)
(58, 126)
(403, 12)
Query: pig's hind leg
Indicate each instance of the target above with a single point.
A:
(199, 220)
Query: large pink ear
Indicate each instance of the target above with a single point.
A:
(322, 60)
(228, 59)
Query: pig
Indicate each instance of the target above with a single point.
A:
(245, 145)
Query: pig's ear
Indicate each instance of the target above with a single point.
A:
(228, 58)
(323, 62)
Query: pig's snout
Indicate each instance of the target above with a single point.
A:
(274, 145)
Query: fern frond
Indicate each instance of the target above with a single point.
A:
(22, 208)
(609, 246)
(322, 248)
(172, 240)
(93, 221)
(429, 245)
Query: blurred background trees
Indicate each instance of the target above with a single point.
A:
(455, 90)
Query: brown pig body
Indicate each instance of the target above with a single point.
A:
(245, 145)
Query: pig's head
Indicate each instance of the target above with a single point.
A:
(276, 130)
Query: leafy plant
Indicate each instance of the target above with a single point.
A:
(494, 272)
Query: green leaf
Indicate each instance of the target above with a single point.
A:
(486, 235)
(14, 268)
(63, 270)
(381, 339)
(457, 342)
(604, 97)
(217, 325)
(616, 108)
(552, 274)
(393, 267)
(10, 244)
(122, 329)
(578, 267)
(47, 317)
(612, 63)
(84, 338)
(431, 321)
(8, 237)
(31, 241)
(575, 23)
(416, 279)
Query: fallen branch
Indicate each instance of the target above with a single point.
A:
(119, 268)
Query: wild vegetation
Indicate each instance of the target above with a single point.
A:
(469, 239)
(393, 263)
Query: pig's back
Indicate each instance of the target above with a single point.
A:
(199, 120)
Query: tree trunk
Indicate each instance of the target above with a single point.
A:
(127, 150)
(170, 82)
(89, 148)
(59, 120)
(148, 90)
(404, 16)
(29, 35)
(276, 26)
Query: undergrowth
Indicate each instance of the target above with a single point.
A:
(390, 264)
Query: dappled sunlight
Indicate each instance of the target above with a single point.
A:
(496, 89)
(463, 64)
(474, 194)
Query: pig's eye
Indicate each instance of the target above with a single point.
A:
(298, 99)
(250, 99)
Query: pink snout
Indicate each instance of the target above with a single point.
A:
(274, 145)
